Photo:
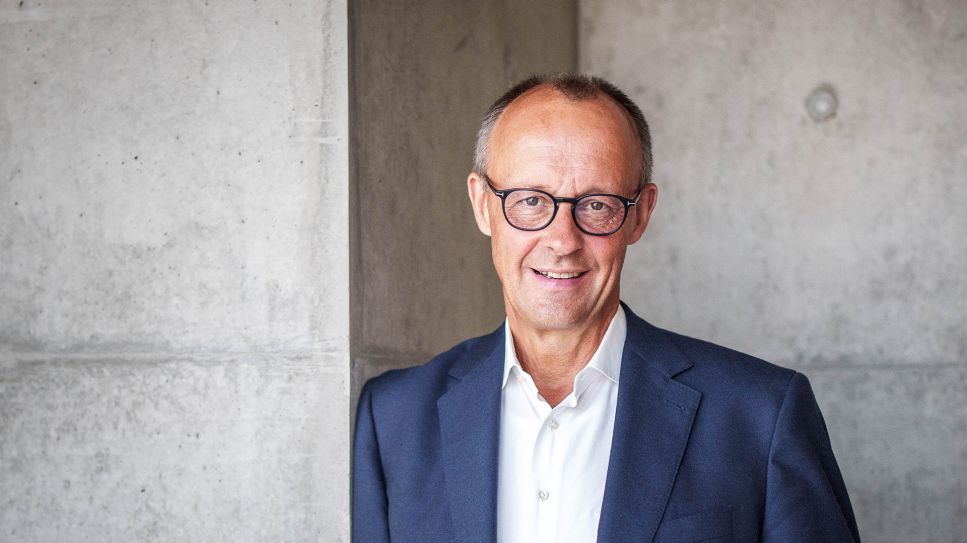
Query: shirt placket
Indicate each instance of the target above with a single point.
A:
(549, 492)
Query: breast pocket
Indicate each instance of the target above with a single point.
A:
(711, 526)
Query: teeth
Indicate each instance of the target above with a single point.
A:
(553, 275)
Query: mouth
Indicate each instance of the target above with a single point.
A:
(558, 275)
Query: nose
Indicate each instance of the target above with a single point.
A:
(563, 236)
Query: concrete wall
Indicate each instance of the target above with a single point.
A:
(836, 247)
(423, 73)
(174, 306)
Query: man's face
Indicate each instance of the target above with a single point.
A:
(567, 148)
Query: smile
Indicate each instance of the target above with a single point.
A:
(559, 275)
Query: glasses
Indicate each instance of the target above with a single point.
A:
(594, 214)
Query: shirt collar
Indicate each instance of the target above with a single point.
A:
(606, 359)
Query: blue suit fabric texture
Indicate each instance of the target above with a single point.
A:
(709, 445)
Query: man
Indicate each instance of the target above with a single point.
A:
(577, 420)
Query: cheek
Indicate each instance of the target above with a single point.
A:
(499, 250)
(509, 248)
(496, 214)
(609, 253)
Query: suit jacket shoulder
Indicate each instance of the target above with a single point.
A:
(416, 386)
(758, 457)
(420, 439)
(720, 369)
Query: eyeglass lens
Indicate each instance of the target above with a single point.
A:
(595, 214)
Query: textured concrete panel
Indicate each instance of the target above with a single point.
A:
(801, 241)
(423, 73)
(173, 175)
(900, 435)
(239, 448)
(174, 183)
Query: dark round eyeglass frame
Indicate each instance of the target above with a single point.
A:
(502, 194)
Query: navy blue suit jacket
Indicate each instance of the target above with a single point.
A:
(709, 445)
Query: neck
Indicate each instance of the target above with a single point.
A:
(554, 357)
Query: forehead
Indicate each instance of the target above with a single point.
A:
(544, 130)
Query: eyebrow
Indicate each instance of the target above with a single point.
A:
(594, 189)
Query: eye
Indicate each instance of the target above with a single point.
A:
(532, 201)
(596, 206)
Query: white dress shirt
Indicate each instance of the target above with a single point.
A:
(553, 462)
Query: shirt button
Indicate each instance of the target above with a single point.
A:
(553, 424)
(543, 495)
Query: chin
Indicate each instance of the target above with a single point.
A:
(558, 316)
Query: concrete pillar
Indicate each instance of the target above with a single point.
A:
(174, 258)
(824, 236)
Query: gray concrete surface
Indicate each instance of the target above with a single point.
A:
(836, 247)
(174, 257)
(116, 447)
(423, 73)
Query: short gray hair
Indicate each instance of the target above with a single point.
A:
(575, 87)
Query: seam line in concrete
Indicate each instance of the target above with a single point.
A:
(142, 355)
(384, 353)
(887, 366)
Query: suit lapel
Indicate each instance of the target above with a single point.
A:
(652, 423)
(469, 414)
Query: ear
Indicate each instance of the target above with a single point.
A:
(642, 211)
(477, 190)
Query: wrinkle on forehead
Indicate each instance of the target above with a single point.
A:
(544, 133)
(579, 152)
(565, 161)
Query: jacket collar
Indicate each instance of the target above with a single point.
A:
(653, 421)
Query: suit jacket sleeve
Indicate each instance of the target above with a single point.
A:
(369, 514)
(806, 497)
